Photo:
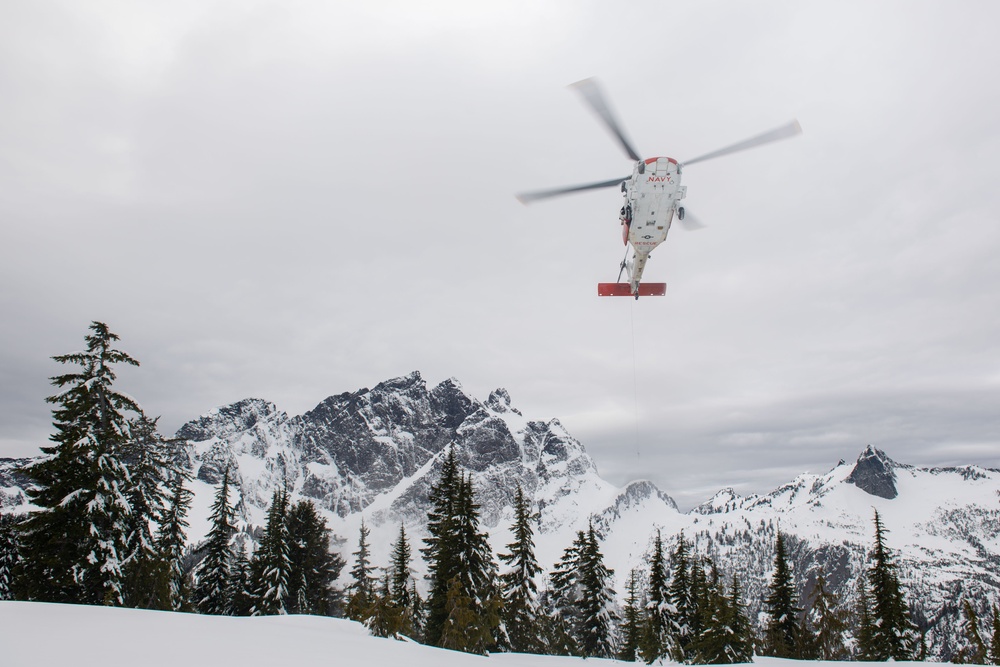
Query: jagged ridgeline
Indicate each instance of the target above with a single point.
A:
(374, 453)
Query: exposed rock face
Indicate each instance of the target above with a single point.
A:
(873, 473)
(354, 447)
(12, 484)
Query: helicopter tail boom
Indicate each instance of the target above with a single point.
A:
(625, 289)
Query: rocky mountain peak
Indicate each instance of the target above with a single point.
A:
(404, 384)
(725, 500)
(873, 473)
(234, 418)
(499, 401)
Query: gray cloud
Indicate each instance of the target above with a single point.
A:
(290, 200)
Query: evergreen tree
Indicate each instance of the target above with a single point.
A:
(564, 599)
(582, 582)
(386, 619)
(893, 635)
(740, 643)
(700, 606)
(632, 622)
(806, 648)
(725, 634)
(711, 645)
(147, 457)
(313, 568)
(213, 590)
(361, 600)
(171, 539)
(400, 593)
(517, 585)
(599, 614)
(440, 551)
(461, 570)
(659, 622)
(9, 556)
(271, 589)
(995, 641)
(417, 617)
(242, 590)
(477, 571)
(781, 633)
(826, 624)
(973, 650)
(458, 632)
(74, 545)
(555, 628)
(682, 600)
(864, 630)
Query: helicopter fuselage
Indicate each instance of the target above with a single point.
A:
(652, 194)
(652, 197)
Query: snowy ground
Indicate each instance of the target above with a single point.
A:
(35, 634)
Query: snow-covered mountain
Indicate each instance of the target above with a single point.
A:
(373, 453)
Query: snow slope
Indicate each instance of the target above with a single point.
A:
(33, 634)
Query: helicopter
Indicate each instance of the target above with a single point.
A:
(653, 194)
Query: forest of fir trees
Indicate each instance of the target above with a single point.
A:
(108, 527)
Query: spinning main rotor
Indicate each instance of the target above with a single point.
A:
(592, 95)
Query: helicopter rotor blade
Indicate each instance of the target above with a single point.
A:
(592, 94)
(531, 197)
(691, 223)
(784, 132)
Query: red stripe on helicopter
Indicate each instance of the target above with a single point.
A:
(654, 159)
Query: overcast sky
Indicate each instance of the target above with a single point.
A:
(289, 200)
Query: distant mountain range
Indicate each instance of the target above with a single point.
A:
(373, 454)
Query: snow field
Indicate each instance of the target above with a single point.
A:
(34, 634)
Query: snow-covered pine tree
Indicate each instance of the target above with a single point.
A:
(826, 623)
(172, 538)
(9, 555)
(74, 545)
(656, 640)
(740, 644)
(781, 632)
(563, 600)
(598, 617)
(711, 646)
(682, 600)
(700, 605)
(313, 567)
(893, 634)
(241, 592)
(631, 629)
(361, 598)
(477, 571)
(213, 588)
(440, 550)
(973, 650)
(863, 628)
(401, 581)
(517, 585)
(149, 461)
(274, 565)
